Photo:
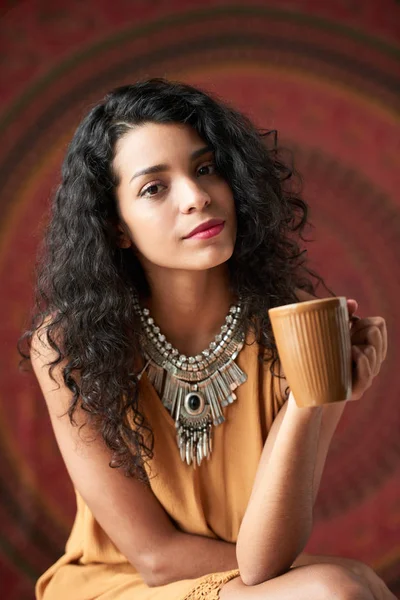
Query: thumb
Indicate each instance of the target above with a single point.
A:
(352, 306)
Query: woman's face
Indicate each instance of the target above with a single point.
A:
(168, 187)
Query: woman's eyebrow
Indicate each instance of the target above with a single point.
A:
(165, 167)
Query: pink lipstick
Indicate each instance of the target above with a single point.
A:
(208, 233)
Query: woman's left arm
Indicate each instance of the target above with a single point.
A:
(369, 347)
(369, 350)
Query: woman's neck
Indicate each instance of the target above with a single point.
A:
(191, 310)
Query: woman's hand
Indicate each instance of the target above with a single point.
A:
(375, 584)
(368, 348)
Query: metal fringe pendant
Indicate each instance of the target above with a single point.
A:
(197, 407)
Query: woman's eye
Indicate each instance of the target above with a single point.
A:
(151, 190)
(210, 169)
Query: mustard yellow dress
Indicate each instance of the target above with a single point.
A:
(208, 501)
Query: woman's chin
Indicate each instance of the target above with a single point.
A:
(210, 259)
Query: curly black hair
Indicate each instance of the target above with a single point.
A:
(84, 279)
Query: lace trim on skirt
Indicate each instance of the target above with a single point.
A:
(210, 585)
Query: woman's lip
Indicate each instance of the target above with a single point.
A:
(204, 226)
(208, 233)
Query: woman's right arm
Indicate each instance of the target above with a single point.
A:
(126, 509)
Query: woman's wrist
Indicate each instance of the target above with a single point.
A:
(304, 415)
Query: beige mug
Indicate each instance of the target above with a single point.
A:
(314, 347)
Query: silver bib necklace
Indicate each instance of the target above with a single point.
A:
(194, 389)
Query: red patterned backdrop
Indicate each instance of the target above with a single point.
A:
(326, 76)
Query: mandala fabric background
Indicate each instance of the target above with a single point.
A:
(325, 75)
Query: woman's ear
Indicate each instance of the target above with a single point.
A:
(123, 239)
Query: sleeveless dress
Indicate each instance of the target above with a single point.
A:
(209, 501)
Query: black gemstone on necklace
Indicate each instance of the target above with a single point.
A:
(194, 402)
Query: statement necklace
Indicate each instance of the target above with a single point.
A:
(194, 389)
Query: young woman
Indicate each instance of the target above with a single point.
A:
(173, 231)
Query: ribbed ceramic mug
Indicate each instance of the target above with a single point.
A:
(313, 341)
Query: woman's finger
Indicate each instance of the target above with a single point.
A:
(370, 335)
(372, 356)
(362, 376)
(359, 325)
(378, 325)
(381, 323)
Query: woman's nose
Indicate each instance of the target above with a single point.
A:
(193, 197)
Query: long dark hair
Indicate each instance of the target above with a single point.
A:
(83, 298)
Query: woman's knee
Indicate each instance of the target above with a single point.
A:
(334, 582)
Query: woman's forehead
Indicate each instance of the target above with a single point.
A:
(156, 143)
